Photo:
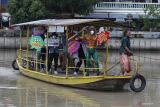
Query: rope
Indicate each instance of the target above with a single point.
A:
(112, 66)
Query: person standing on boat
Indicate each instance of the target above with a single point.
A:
(40, 31)
(91, 43)
(53, 52)
(125, 53)
(77, 53)
(76, 50)
(41, 55)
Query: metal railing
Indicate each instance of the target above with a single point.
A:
(33, 63)
(124, 5)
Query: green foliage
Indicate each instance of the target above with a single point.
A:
(70, 6)
(26, 10)
(29, 10)
(152, 11)
(151, 20)
(39, 10)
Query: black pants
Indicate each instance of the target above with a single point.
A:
(81, 56)
(50, 59)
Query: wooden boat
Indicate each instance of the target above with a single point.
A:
(28, 63)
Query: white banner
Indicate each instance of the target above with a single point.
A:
(56, 29)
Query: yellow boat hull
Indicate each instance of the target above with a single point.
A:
(87, 82)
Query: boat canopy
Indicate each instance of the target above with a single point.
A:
(58, 22)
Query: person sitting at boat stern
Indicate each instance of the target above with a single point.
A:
(53, 52)
(91, 43)
(125, 53)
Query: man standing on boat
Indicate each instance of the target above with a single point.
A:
(91, 43)
(53, 52)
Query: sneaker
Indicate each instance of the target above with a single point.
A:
(50, 71)
(42, 70)
(87, 74)
(55, 72)
(75, 73)
(98, 73)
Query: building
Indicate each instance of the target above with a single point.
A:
(143, 1)
(3, 5)
(121, 10)
(4, 16)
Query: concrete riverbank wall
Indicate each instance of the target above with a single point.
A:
(10, 39)
(137, 43)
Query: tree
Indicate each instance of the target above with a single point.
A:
(26, 10)
(38, 9)
(151, 20)
(29, 10)
(81, 7)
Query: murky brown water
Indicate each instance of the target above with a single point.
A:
(17, 90)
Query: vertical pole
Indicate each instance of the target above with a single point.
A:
(27, 51)
(20, 46)
(106, 59)
(37, 61)
(66, 52)
(47, 51)
(83, 67)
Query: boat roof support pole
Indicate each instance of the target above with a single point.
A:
(27, 51)
(20, 42)
(46, 33)
(20, 46)
(37, 61)
(106, 59)
(66, 28)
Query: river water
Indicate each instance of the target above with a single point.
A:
(17, 90)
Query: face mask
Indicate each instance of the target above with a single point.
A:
(91, 32)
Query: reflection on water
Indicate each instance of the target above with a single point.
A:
(46, 95)
(20, 91)
(6, 57)
(17, 90)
